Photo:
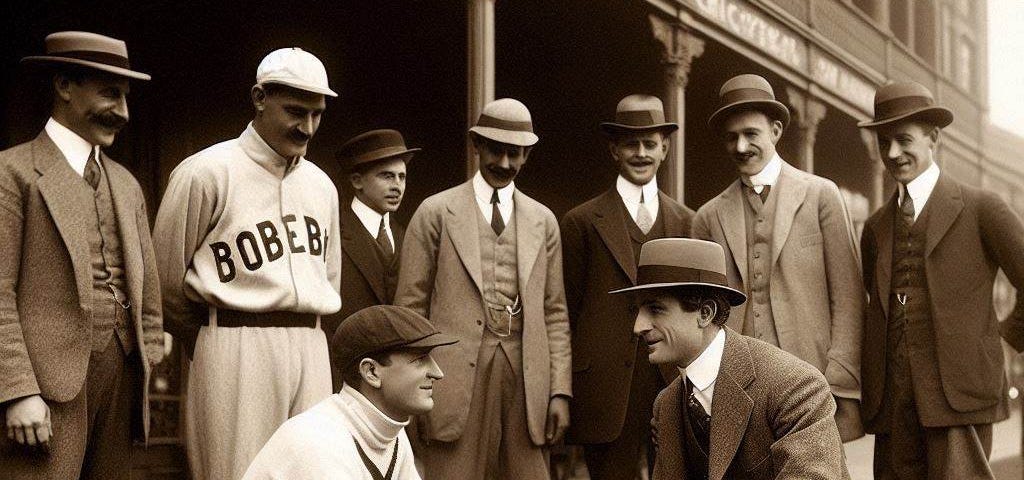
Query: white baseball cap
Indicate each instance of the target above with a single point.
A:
(296, 68)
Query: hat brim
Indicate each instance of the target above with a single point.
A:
(935, 115)
(50, 60)
(299, 86)
(520, 138)
(363, 161)
(434, 340)
(773, 108)
(735, 297)
(611, 128)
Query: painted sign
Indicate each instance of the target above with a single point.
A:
(753, 26)
(841, 81)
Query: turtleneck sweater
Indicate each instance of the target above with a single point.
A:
(318, 443)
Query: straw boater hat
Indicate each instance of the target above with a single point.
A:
(86, 49)
(639, 113)
(748, 92)
(907, 101)
(374, 146)
(683, 262)
(506, 120)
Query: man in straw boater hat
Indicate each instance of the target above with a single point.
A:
(80, 322)
(371, 239)
(742, 408)
(359, 432)
(613, 384)
(249, 249)
(932, 361)
(789, 245)
(484, 262)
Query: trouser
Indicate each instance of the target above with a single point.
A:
(92, 433)
(243, 383)
(495, 444)
(620, 459)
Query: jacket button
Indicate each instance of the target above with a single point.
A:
(472, 364)
(478, 322)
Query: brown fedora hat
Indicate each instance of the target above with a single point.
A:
(748, 92)
(639, 113)
(374, 146)
(907, 101)
(88, 50)
(683, 262)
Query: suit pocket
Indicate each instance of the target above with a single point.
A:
(812, 239)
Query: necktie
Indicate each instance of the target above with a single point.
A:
(383, 240)
(699, 418)
(497, 223)
(907, 207)
(92, 170)
(643, 217)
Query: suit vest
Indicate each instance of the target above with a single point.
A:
(760, 220)
(636, 236)
(695, 456)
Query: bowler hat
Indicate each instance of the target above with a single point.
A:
(87, 50)
(639, 113)
(683, 262)
(382, 328)
(748, 92)
(907, 101)
(374, 146)
(506, 120)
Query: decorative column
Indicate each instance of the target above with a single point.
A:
(876, 192)
(679, 47)
(807, 113)
(480, 71)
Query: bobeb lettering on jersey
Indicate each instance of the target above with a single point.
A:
(266, 244)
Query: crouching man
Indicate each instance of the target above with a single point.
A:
(742, 407)
(359, 433)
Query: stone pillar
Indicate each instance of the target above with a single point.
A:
(679, 47)
(879, 177)
(480, 71)
(806, 113)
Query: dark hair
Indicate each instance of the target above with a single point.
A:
(690, 299)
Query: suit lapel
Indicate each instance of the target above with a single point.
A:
(791, 191)
(57, 187)
(730, 405)
(361, 249)
(673, 220)
(883, 262)
(670, 446)
(529, 231)
(730, 217)
(944, 205)
(610, 227)
(462, 216)
(120, 192)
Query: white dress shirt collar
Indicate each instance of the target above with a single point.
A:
(921, 188)
(767, 176)
(76, 149)
(630, 194)
(483, 192)
(703, 370)
(371, 219)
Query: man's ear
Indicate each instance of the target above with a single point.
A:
(369, 369)
(776, 130)
(259, 97)
(707, 311)
(62, 85)
(356, 179)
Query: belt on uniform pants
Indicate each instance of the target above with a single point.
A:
(235, 319)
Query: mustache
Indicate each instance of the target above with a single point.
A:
(110, 120)
(743, 156)
(502, 173)
(298, 136)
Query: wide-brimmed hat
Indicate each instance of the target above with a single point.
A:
(506, 120)
(639, 113)
(87, 49)
(683, 262)
(748, 92)
(374, 146)
(381, 328)
(296, 68)
(907, 101)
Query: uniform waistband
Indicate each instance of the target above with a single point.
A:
(221, 317)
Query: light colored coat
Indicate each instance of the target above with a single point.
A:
(46, 276)
(441, 279)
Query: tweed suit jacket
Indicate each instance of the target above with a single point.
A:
(441, 279)
(598, 258)
(45, 274)
(970, 234)
(815, 281)
(771, 417)
(362, 272)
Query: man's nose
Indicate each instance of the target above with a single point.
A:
(121, 108)
(435, 371)
(641, 325)
(894, 150)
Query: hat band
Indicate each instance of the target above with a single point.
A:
(493, 122)
(640, 118)
(746, 95)
(648, 274)
(379, 153)
(105, 58)
(900, 105)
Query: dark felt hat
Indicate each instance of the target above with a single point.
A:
(87, 49)
(639, 113)
(374, 146)
(683, 262)
(382, 328)
(907, 101)
(747, 92)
